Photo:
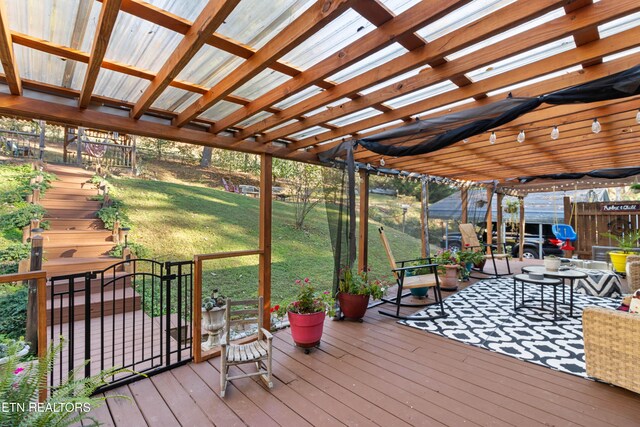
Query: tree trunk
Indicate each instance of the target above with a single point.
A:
(206, 157)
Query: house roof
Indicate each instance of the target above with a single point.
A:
(304, 74)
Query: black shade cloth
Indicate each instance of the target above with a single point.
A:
(426, 136)
(597, 173)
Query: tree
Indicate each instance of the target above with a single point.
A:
(307, 183)
(205, 161)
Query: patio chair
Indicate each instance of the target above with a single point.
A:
(404, 281)
(470, 242)
(258, 352)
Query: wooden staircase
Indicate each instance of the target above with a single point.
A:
(78, 242)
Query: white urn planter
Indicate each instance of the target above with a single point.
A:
(213, 322)
(551, 264)
(21, 353)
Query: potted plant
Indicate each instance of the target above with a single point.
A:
(552, 263)
(627, 242)
(9, 346)
(449, 265)
(468, 259)
(418, 292)
(306, 313)
(213, 311)
(354, 292)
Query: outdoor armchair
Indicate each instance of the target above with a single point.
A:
(470, 242)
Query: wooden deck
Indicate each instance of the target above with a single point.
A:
(375, 373)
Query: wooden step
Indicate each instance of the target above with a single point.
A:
(116, 301)
(76, 250)
(56, 196)
(62, 213)
(104, 282)
(64, 266)
(82, 204)
(59, 224)
(77, 236)
(61, 168)
(88, 191)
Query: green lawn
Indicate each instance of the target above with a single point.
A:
(177, 221)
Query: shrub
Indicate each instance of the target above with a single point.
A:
(137, 249)
(13, 311)
(21, 215)
(110, 214)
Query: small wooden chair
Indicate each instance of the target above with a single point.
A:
(412, 282)
(258, 352)
(470, 242)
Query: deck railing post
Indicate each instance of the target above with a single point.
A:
(31, 334)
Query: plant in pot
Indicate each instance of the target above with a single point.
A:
(418, 292)
(627, 242)
(469, 258)
(354, 292)
(448, 266)
(9, 346)
(306, 313)
(551, 263)
(213, 312)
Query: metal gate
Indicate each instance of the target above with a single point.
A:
(134, 315)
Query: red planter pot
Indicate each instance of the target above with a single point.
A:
(353, 306)
(306, 329)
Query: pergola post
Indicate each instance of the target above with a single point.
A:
(79, 138)
(264, 269)
(500, 220)
(424, 219)
(363, 243)
(489, 216)
(521, 237)
(464, 196)
(42, 124)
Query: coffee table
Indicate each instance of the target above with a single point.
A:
(569, 274)
(545, 281)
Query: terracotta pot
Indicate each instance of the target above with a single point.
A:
(353, 306)
(306, 329)
(450, 280)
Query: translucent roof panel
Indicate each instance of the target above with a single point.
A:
(185, 9)
(209, 66)
(399, 6)
(55, 20)
(140, 43)
(523, 59)
(342, 31)
(330, 105)
(255, 119)
(287, 123)
(446, 107)
(119, 86)
(619, 25)
(45, 68)
(381, 126)
(315, 130)
(255, 22)
(621, 54)
(536, 80)
(371, 61)
(261, 84)
(461, 17)
(422, 94)
(175, 99)
(354, 117)
(396, 79)
(220, 110)
(509, 33)
(300, 96)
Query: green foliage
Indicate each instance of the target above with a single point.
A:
(11, 255)
(21, 215)
(137, 249)
(214, 301)
(626, 241)
(110, 214)
(359, 284)
(308, 300)
(13, 311)
(7, 345)
(471, 256)
(412, 188)
(69, 403)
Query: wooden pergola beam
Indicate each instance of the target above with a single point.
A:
(106, 22)
(314, 18)
(383, 36)
(596, 49)
(212, 16)
(554, 30)
(7, 57)
(501, 20)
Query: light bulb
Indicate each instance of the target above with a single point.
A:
(638, 116)
(555, 133)
(382, 162)
(595, 126)
(492, 138)
(464, 141)
(520, 137)
(368, 166)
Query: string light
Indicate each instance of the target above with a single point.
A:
(464, 141)
(492, 138)
(520, 137)
(595, 126)
(555, 133)
(382, 162)
(638, 117)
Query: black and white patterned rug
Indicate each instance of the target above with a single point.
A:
(482, 315)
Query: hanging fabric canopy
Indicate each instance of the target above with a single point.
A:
(426, 136)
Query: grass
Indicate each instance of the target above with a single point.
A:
(176, 221)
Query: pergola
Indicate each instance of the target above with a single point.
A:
(293, 78)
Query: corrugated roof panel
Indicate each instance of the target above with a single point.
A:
(255, 22)
(45, 68)
(119, 86)
(261, 84)
(140, 43)
(399, 6)
(342, 31)
(220, 110)
(185, 9)
(255, 118)
(371, 61)
(300, 96)
(422, 94)
(175, 99)
(209, 66)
